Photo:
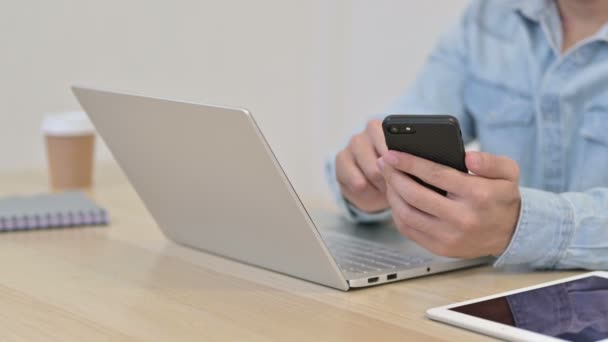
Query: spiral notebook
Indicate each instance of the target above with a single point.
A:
(66, 209)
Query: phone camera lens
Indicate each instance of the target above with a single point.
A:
(394, 129)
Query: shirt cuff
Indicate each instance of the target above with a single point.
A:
(360, 216)
(544, 229)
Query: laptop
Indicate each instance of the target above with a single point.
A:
(211, 181)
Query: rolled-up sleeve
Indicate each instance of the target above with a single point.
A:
(560, 231)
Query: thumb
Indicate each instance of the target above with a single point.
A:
(491, 166)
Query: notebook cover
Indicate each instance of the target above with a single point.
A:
(50, 211)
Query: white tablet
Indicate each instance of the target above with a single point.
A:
(570, 309)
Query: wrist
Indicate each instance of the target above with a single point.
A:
(509, 230)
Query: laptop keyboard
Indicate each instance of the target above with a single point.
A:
(359, 256)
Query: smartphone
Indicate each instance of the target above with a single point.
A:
(433, 137)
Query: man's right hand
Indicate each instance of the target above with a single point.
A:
(360, 179)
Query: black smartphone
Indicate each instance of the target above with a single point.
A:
(433, 137)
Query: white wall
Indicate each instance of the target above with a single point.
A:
(309, 70)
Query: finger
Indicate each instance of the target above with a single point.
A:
(376, 134)
(409, 215)
(348, 173)
(430, 244)
(365, 157)
(420, 237)
(421, 197)
(370, 201)
(355, 187)
(491, 166)
(441, 176)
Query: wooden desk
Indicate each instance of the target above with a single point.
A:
(127, 282)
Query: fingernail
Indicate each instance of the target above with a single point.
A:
(391, 158)
(380, 163)
(474, 160)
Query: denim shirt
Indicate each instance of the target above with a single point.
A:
(501, 72)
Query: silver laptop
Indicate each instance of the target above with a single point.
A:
(212, 182)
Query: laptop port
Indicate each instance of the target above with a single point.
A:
(391, 276)
(372, 280)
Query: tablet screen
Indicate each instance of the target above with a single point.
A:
(574, 311)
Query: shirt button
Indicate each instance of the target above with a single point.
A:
(550, 110)
(549, 105)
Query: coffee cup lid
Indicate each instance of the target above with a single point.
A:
(67, 124)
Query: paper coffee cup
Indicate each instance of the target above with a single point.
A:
(70, 146)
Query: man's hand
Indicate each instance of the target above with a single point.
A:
(477, 218)
(360, 179)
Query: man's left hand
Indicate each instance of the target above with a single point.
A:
(476, 218)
